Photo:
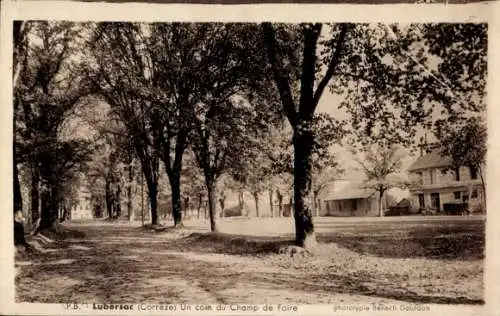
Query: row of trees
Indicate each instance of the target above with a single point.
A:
(224, 93)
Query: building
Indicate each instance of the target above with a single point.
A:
(82, 208)
(439, 186)
(351, 199)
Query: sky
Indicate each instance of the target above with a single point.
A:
(329, 104)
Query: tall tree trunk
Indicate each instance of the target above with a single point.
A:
(304, 228)
(46, 214)
(50, 206)
(118, 201)
(256, 199)
(380, 211)
(18, 198)
(130, 210)
(200, 201)
(271, 207)
(483, 185)
(109, 199)
(186, 207)
(35, 194)
(175, 187)
(241, 201)
(222, 202)
(153, 201)
(211, 184)
(280, 203)
(315, 203)
(205, 205)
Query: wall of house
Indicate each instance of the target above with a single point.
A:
(364, 207)
(444, 176)
(447, 195)
(83, 209)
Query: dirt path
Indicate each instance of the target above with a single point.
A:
(123, 264)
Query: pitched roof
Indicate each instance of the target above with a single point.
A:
(430, 160)
(353, 191)
(403, 203)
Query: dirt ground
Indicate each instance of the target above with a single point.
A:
(379, 261)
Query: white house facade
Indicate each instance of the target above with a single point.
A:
(440, 187)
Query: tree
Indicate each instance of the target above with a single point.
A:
(49, 84)
(123, 84)
(177, 56)
(225, 116)
(388, 75)
(300, 112)
(192, 180)
(20, 50)
(382, 168)
(466, 146)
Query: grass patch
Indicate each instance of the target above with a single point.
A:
(463, 241)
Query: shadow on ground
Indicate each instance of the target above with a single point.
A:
(459, 241)
(124, 264)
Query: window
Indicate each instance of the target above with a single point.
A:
(443, 171)
(421, 201)
(435, 201)
(465, 197)
(354, 204)
(474, 194)
(473, 172)
(457, 174)
(457, 195)
(432, 176)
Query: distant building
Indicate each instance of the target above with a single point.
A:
(82, 209)
(351, 199)
(439, 186)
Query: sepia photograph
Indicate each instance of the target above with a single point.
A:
(240, 164)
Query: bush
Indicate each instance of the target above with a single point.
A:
(233, 211)
(455, 208)
(428, 211)
(478, 209)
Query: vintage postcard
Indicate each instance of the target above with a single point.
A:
(279, 159)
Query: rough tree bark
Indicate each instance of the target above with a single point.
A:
(222, 202)
(315, 203)
(241, 202)
(271, 207)
(175, 186)
(153, 201)
(117, 202)
(300, 115)
(18, 199)
(35, 194)
(483, 185)
(256, 199)
(50, 207)
(200, 201)
(211, 185)
(304, 228)
(280, 203)
(130, 210)
(380, 196)
(109, 199)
